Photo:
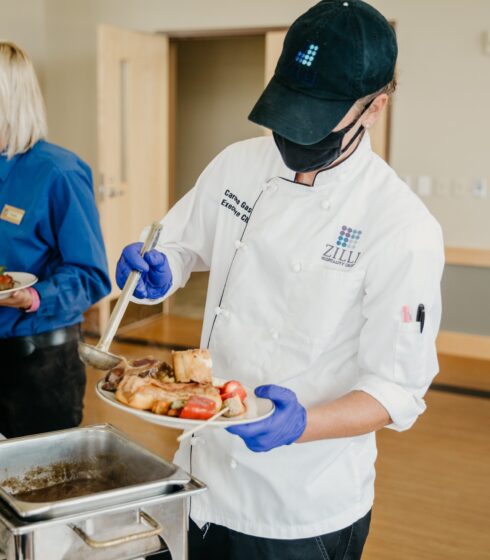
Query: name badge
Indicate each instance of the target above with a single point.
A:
(12, 214)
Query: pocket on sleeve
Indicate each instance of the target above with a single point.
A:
(411, 359)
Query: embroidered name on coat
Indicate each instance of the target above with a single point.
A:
(239, 207)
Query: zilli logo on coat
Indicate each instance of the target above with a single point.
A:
(341, 252)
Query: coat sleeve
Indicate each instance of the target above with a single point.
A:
(397, 362)
(79, 278)
(187, 237)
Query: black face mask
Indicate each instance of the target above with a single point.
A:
(304, 159)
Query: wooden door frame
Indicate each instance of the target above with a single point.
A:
(219, 33)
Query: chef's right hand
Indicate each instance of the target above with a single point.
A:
(156, 276)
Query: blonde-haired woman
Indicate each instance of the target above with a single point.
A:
(49, 226)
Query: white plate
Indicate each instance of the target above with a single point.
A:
(257, 409)
(22, 280)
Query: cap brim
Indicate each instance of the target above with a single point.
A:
(296, 116)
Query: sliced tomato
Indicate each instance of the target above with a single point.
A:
(232, 388)
(199, 408)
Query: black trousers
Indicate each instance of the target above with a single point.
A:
(41, 392)
(216, 542)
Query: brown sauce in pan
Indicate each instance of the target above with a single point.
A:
(64, 480)
(69, 489)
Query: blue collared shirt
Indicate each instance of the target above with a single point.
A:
(58, 238)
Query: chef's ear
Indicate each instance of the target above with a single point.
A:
(375, 109)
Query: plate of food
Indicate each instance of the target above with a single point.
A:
(180, 395)
(10, 282)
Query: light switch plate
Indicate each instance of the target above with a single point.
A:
(424, 185)
(442, 188)
(408, 179)
(480, 188)
(458, 188)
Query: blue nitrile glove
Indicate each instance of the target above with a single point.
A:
(283, 427)
(156, 276)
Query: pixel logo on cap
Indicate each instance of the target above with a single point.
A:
(308, 58)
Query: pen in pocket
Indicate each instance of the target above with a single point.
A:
(421, 316)
(406, 317)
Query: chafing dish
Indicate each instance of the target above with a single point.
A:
(144, 510)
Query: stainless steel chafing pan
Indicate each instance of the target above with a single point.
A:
(98, 458)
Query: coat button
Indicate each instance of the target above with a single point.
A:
(240, 245)
(274, 334)
(296, 266)
(326, 204)
(233, 464)
(220, 311)
(196, 440)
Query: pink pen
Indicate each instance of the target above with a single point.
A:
(407, 318)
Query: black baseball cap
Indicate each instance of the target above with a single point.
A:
(336, 53)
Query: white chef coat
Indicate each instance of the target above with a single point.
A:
(295, 301)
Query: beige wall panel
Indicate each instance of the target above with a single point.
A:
(23, 22)
(218, 82)
(274, 41)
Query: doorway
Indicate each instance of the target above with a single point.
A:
(216, 83)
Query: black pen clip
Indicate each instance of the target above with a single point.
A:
(421, 316)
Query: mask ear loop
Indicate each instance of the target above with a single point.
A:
(360, 130)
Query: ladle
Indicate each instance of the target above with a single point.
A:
(98, 356)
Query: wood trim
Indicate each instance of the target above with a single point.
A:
(462, 256)
(172, 122)
(464, 345)
(221, 33)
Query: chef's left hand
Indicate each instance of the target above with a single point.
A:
(285, 426)
(22, 299)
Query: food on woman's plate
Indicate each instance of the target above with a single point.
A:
(184, 390)
(6, 281)
(193, 365)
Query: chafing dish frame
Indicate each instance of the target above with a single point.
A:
(16, 450)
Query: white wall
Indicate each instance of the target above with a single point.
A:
(442, 110)
(71, 75)
(23, 22)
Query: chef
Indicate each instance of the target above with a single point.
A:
(49, 226)
(324, 293)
